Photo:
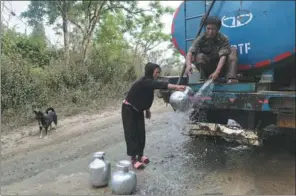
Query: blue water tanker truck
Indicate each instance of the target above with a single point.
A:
(264, 34)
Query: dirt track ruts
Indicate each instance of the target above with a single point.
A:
(180, 165)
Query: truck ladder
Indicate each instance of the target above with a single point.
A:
(207, 12)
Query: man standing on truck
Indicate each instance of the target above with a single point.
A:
(212, 54)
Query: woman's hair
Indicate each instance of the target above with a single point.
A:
(149, 68)
(213, 20)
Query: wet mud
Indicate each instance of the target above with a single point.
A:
(180, 165)
(210, 165)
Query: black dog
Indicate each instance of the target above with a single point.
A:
(45, 120)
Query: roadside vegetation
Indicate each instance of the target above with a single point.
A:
(104, 47)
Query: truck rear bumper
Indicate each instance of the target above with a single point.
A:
(278, 102)
(243, 96)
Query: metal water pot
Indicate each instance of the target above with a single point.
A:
(100, 170)
(180, 101)
(123, 181)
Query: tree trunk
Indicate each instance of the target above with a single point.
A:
(85, 48)
(65, 31)
(66, 38)
(90, 31)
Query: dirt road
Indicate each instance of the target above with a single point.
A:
(180, 165)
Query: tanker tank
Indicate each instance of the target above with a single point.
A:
(262, 31)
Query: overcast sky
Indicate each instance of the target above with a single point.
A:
(19, 6)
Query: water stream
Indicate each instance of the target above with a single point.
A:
(181, 118)
(214, 166)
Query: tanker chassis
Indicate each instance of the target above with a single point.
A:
(254, 105)
(265, 95)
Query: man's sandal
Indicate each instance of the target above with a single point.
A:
(145, 160)
(232, 81)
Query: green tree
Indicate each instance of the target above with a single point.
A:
(31, 48)
(110, 49)
(115, 38)
(143, 24)
(38, 35)
(38, 10)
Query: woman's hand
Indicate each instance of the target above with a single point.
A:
(176, 87)
(180, 87)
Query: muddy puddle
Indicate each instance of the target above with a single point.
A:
(182, 165)
(212, 166)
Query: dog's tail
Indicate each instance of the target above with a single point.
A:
(55, 119)
(35, 112)
(49, 109)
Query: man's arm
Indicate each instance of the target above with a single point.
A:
(188, 59)
(224, 51)
(193, 49)
(220, 64)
